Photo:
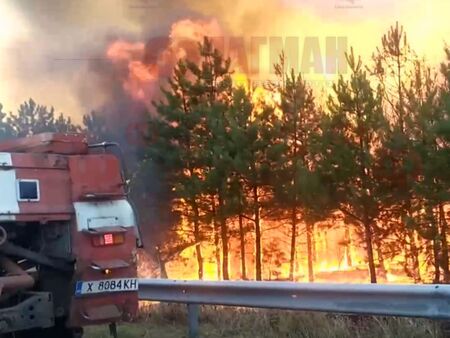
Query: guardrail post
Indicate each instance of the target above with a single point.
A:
(193, 322)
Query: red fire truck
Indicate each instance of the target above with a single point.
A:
(68, 236)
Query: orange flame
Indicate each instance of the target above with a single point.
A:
(142, 77)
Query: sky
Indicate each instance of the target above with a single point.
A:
(48, 47)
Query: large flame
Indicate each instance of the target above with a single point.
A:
(338, 256)
(143, 77)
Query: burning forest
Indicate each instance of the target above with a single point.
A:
(304, 167)
(284, 188)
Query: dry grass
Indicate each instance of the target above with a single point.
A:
(170, 320)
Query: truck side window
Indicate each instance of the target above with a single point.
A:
(28, 190)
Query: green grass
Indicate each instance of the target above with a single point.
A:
(165, 320)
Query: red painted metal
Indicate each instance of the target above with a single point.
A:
(55, 194)
(39, 161)
(57, 143)
(96, 177)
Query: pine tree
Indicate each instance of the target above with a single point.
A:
(175, 151)
(393, 62)
(255, 139)
(5, 129)
(394, 66)
(212, 88)
(431, 188)
(192, 142)
(94, 125)
(300, 120)
(32, 118)
(351, 133)
(241, 135)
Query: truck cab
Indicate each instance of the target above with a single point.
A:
(68, 228)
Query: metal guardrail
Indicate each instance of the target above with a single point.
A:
(426, 301)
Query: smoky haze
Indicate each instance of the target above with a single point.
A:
(56, 47)
(61, 60)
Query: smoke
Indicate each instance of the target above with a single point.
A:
(55, 51)
(61, 58)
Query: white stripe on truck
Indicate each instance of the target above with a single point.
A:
(91, 215)
(8, 195)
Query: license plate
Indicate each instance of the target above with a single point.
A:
(106, 285)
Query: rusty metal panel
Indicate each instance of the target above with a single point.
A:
(56, 143)
(96, 177)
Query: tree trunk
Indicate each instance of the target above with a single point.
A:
(293, 240)
(162, 265)
(314, 250)
(414, 256)
(216, 231)
(217, 252)
(444, 244)
(242, 240)
(407, 255)
(437, 271)
(162, 270)
(382, 267)
(413, 248)
(348, 247)
(224, 238)
(434, 223)
(369, 249)
(197, 237)
(309, 241)
(258, 265)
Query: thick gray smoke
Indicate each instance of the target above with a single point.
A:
(61, 59)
